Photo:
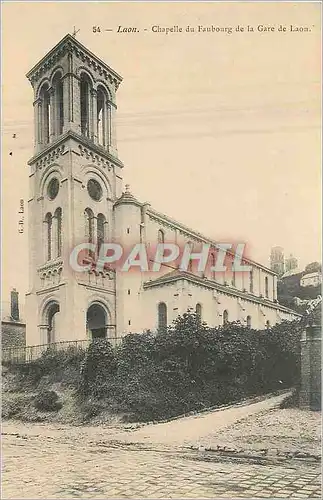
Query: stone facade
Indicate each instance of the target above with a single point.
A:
(311, 367)
(76, 196)
(13, 334)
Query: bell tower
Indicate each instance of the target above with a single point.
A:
(75, 178)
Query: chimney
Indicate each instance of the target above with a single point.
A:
(14, 305)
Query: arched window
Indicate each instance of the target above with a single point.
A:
(85, 87)
(89, 227)
(251, 281)
(102, 117)
(266, 287)
(198, 311)
(59, 103)
(49, 224)
(45, 116)
(267, 324)
(161, 236)
(225, 317)
(162, 316)
(58, 235)
(248, 321)
(100, 230)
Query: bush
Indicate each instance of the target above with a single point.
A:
(14, 405)
(189, 367)
(90, 409)
(47, 401)
(59, 366)
(97, 367)
(291, 401)
(186, 368)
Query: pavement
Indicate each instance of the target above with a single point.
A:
(154, 461)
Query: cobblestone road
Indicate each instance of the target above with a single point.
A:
(36, 466)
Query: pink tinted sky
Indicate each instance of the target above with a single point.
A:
(219, 131)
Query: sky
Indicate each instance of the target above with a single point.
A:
(220, 131)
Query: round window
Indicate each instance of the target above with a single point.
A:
(53, 188)
(94, 189)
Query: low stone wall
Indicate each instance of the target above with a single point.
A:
(13, 334)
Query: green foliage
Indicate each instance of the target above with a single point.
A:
(97, 367)
(313, 267)
(20, 406)
(47, 401)
(289, 288)
(291, 401)
(58, 365)
(280, 364)
(134, 351)
(188, 367)
(90, 409)
(12, 407)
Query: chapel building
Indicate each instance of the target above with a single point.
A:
(76, 195)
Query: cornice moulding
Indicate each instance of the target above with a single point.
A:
(220, 288)
(85, 146)
(168, 221)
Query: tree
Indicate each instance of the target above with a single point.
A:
(98, 366)
(313, 267)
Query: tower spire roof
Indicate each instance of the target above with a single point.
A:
(127, 197)
(70, 44)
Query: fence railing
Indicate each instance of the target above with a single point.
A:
(30, 353)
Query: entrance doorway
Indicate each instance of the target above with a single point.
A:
(96, 319)
(52, 322)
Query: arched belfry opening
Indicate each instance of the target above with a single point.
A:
(101, 117)
(50, 110)
(45, 115)
(85, 98)
(96, 321)
(104, 110)
(59, 103)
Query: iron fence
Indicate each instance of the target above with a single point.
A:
(31, 353)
